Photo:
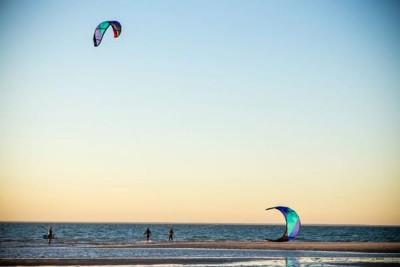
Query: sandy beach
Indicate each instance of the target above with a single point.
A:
(358, 247)
(368, 247)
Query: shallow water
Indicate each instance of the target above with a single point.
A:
(76, 240)
(78, 234)
(296, 262)
(174, 253)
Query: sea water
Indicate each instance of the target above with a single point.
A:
(81, 240)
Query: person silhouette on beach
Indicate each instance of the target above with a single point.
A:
(171, 235)
(50, 234)
(147, 233)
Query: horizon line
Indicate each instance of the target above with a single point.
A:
(199, 223)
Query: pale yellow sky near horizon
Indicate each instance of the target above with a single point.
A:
(80, 189)
(200, 111)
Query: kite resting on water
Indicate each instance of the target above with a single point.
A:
(101, 29)
(292, 223)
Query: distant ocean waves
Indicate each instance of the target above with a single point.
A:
(96, 233)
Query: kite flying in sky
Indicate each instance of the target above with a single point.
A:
(101, 29)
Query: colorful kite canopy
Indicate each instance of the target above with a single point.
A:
(101, 29)
(292, 223)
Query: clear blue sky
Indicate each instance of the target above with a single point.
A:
(230, 101)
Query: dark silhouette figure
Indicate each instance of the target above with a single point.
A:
(171, 235)
(147, 233)
(50, 234)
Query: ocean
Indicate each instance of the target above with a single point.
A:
(82, 240)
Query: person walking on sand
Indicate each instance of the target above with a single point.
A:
(171, 235)
(50, 234)
(147, 233)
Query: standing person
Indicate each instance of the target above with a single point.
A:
(171, 235)
(147, 233)
(50, 234)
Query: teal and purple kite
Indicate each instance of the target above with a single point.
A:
(292, 223)
(101, 29)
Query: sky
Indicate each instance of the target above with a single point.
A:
(201, 111)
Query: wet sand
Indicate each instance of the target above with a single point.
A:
(87, 262)
(363, 247)
(368, 247)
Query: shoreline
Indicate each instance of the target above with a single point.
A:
(366, 247)
(380, 249)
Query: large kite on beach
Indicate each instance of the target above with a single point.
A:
(101, 29)
(292, 223)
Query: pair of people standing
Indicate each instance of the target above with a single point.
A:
(147, 233)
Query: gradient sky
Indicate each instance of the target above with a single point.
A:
(202, 111)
